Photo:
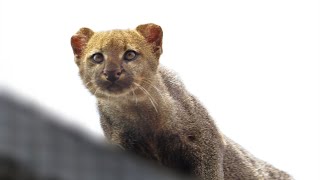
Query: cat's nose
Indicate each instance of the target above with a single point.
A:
(112, 75)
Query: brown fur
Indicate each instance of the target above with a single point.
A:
(149, 112)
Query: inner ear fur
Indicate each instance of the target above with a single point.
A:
(153, 34)
(79, 41)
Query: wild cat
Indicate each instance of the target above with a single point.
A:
(146, 109)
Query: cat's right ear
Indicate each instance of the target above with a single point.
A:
(79, 42)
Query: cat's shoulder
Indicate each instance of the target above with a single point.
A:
(172, 81)
(169, 76)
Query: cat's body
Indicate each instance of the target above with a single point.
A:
(145, 108)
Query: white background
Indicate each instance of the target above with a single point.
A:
(254, 64)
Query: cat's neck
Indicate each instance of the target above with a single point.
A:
(150, 95)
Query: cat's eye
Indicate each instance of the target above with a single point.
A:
(97, 58)
(130, 55)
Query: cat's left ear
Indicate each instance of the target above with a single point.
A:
(79, 42)
(153, 34)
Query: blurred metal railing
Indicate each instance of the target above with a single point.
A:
(34, 146)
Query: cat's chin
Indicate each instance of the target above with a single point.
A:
(113, 90)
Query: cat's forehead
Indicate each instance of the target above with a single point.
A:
(115, 39)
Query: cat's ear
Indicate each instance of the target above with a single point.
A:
(79, 42)
(153, 34)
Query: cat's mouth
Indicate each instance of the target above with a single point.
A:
(115, 88)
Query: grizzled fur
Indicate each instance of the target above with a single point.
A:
(144, 107)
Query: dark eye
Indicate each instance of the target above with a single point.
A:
(130, 55)
(97, 57)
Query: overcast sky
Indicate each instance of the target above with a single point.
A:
(254, 65)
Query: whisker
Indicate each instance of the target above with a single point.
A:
(148, 95)
(94, 70)
(95, 91)
(153, 105)
(87, 83)
(146, 91)
(134, 94)
(149, 83)
(92, 80)
(90, 89)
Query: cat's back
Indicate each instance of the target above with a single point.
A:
(237, 161)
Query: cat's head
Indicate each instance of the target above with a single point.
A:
(113, 62)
